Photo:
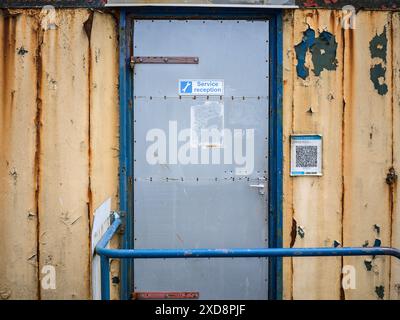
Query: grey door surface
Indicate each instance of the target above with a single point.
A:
(185, 195)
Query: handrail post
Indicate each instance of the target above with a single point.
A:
(105, 277)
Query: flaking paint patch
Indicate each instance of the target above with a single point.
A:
(377, 243)
(368, 264)
(301, 52)
(377, 229)
(322, 49)
(27, 76)
(324, 53)
(378, 50)
(5, 292)
(301, 232)
(380, 291)
(378, 77)
(378, 46)
(336, 243)
(22, 51)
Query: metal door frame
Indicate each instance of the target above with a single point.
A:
(275, 162)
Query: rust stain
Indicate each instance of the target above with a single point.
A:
(293, 233)
(88, 30)
(38, 123)
(14, 174)
(341, 289)
(391, 180)
(9, 45)
(391, 176)
(14, 56)
(87, 26)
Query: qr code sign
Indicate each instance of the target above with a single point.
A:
(306, 156)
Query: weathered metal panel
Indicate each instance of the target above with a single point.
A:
(367, 129)
(395, 194)
(328, 4)
(104, 120)
(204, 3)
(368, 150)
(18, 211)
(317, 109)
(288, 82)
(55, 3)
(50, 80)
(64, 162)
(358, 4)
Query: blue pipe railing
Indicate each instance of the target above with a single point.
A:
(106, 254)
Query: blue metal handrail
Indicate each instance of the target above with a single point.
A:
(105, 254)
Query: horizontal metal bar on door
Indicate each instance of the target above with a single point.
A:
(106, 253)
(164, 60)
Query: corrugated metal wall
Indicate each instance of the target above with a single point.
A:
(354, 103)
(59, 147)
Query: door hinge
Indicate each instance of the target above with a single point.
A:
(163, 60)
(164, 295)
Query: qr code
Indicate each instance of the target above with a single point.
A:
(306, 156)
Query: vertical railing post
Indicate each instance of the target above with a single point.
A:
(105, 277)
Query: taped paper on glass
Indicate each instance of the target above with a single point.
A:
(207, 125)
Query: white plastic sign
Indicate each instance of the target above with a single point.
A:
(201, 87)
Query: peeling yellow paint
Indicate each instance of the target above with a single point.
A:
(360, 134)
(18, 216)
(44, 159)
(395, 217)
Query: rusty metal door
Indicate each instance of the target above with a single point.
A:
(201, 154)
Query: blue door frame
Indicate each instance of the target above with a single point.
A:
(275, 125)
